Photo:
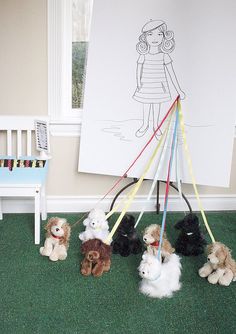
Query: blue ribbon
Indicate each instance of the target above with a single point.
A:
(173, 146)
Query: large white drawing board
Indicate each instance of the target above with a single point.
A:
(204, 68)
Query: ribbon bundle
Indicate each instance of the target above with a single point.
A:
(163, 144)
(136, 187)
(178, 127)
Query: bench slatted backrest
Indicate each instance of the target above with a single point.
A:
(20, 127)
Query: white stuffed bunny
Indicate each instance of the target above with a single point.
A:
(96, 226)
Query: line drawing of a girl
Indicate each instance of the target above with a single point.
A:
(155, 44)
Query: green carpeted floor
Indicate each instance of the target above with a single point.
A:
(39, 296)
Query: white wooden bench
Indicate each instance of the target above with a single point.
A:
(16, 139)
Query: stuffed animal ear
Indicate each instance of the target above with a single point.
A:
(195, 219)
(147, 258)
(224, 254)
(156, 232)
(104, 224)
(105, 250)
(64, 221)
(86, 222)
(228, 257)
(91, 214)
(210, 248)
(179, 224)
(144, 256)
(130, 220)
(50, 222)
(85, 246)
(67, 231)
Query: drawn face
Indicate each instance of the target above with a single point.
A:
(154, 37)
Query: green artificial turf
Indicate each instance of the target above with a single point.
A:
(40, 296)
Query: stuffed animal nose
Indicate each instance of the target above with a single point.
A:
(145, 239)
(208, 258)
(57, 229)
(143, 272)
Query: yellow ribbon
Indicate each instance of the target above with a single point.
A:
(136, 187)
(109, 214)
(190, 166)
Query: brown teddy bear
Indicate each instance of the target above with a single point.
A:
(97, 257)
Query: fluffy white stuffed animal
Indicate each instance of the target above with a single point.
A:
(159, 279)
(96, 226)
(57, 239)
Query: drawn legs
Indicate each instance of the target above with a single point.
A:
(146, 115)
(156, 108)
(147, 108)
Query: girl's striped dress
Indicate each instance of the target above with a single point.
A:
(154, 85)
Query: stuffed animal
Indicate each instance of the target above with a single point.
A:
(97, 257)
(96, 226)
(127, 241)
(159, 279)
(151, 237)
(220, 267)
(190, 240)
(57, 239)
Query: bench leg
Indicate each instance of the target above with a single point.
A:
(37, 217)
(0, 209)
(43, 203)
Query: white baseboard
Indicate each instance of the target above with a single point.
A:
(57, 204)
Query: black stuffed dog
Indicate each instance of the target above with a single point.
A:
(126, 241)
(190, 241)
